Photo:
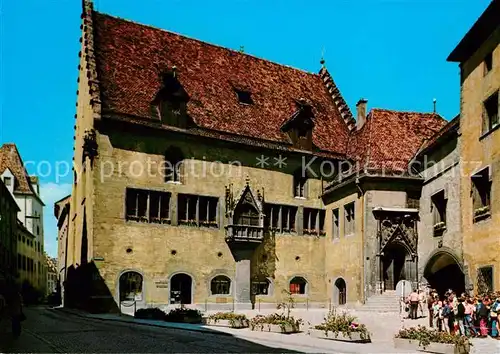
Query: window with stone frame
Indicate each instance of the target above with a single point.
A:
(147, 206)
(197, 210)
(260, 286)
(485, 280)
(490, 113)
(488, 63)
(438, 208)
(220, 285)
(481, 194)
(7, 181)
(173, 164)
(299, 184)
(280, 218)
(349, 219)
(412, 200)
(313, 222)
(335, 224)
(298, 286)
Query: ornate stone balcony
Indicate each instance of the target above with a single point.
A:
(244, 234)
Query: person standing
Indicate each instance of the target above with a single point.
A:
(430, 308)
(413, 300)
(469, 318)
(421, 302)
(482, 315)
(495, 308)
(460, 316)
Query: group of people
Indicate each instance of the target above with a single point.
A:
(11, 306)
(471, 316)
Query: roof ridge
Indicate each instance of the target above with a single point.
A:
(208, 43)
(403, 111)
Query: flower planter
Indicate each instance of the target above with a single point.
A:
(441, 348)
(266, 327)
(227, 323)
(340, 336)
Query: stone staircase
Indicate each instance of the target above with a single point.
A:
(389, 301)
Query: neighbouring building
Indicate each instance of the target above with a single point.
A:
(52, 275)
(440, 227)
(8, 235)
(479, 56)
(25, 190)
(61, 212)
(208, 185)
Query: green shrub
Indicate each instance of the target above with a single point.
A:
(232, 317)
(183, 314)
(342, 323)
(150, 314)
(281, 320)
(425, 336)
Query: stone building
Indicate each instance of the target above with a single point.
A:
(201, 178)
(52, 275)
(374, 208)
(440, 227)
(61, 212)
(8, 235)
(479, 56)
(25, 190)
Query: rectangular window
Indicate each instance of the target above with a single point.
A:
(490, 113)
(314, 221)
(481, 190)
(485, 280)
(349, 219)
(280, 218)
(7, 181)
(147, 206)
(438, 202)
(19, 261)
(197, 210)
(488, 62)
(412, 200)
(24, 262)
(335, 224)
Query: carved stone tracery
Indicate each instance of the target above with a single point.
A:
(398, 229)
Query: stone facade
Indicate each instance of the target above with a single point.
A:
(479, 56)
(8, 235)
(61, 212)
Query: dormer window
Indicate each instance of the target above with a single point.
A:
(300, 125)
(170, 103)
(244, 97)
(7, 181)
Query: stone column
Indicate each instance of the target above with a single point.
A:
(242, 291)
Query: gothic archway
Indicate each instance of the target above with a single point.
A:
(444, 271)
(340, 292)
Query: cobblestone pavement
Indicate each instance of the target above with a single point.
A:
(49, 331)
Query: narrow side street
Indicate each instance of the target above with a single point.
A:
(50, 331)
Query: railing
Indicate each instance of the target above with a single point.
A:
(132, 304)
(245, 233)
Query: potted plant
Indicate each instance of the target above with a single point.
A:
(184, 315)
(343, 327)
(228, 319)
(278, 323)
(429, 340)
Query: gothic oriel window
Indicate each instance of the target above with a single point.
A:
(220, 285)
(298, 286)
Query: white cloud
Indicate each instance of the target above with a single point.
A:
(51, 193)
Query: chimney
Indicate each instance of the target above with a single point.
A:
(361, 113)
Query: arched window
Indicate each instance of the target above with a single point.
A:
(245, 214)
(220, 285)
(341, 290)
(261, 286)
(299, 183)
(130, 286)
(173, 162)
(298, 286)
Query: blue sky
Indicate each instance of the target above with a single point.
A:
(391, 52)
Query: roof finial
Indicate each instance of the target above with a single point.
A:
(434, 103)
(322, 61)
(242, 49)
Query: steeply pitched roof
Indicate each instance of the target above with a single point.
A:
(131, 57)
(486, 24)
(441, 136)
(389, 139)
(11, 159)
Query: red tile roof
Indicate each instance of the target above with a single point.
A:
(11, 159)
(390, 139)
(130, 58)
(450, 128)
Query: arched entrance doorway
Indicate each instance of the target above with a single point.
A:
(394, 265)
(443, 271)
(130, 286)
(340, 291)
(181, 289)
